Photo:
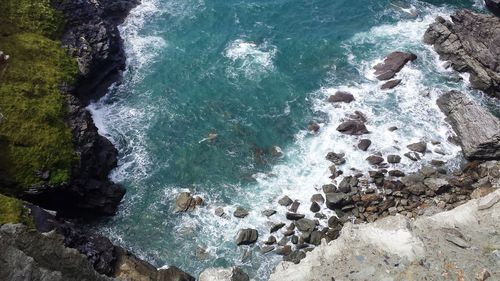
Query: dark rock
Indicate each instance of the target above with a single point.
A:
(334, 222)
(341, 97)
(294, 207)
(277, 227)
(268, 213)
(295, 239)
(478, 130)
(437, 163)
(396, 173)
(393, 159)
(336, 200)
(352, 127)
(240, 212)
(185, 202)
(347, 183)
(247, 236)
(266, 249)
(364, 144)
(392, 129)
(418, 147)
(493, 6)
(374, 159)
(314, 207)
(412, 156)
(295, 256)
(470, 43)
(305, 225)
(392, 64)
(313, 127)
(329, 188)
(315, 238)
(294, 216)
(318, 198)
(285, 201)
(391, 84)
(270, 240)
(336, 158)
(284, 251)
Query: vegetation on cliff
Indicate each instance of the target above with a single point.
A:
(35, 141)
(12, 211)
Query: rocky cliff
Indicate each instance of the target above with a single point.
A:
(471, 42)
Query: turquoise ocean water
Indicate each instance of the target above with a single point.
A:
(256, 72)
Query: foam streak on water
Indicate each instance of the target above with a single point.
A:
(148, 102)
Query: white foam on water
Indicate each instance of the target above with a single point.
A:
(250, 59)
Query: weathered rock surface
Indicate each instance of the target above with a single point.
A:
(223, 274)
(352, 127)
(471, 42)
(392, 64)
(364, 144)
(341, 97)
(247, 236)
(477, 129)
(396, 248)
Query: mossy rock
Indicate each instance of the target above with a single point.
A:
(13, 211)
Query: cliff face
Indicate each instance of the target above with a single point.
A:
(471, 42)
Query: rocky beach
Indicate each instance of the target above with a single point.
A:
(387, 199)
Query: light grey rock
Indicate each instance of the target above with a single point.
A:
(488, 201)
(478, 130)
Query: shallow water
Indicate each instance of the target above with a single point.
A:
(256, 72)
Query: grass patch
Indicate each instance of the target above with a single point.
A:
(12, 211)
(34, 137)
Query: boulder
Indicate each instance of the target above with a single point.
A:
(268, 213)
(396, 173)
(313, 127)
(305, 225)
(477, 129)
(470, 42)
(315, 207)
(352, 127)
(294, 207)
(247, 236)
(414, 156)
(392, 64)
(391, 84)
(294, 216)
(284, 251)
(341, 97)
(185, 202)
(336, 200)
(240, 212)
(276, 227)
(336, 158)
(374, 159)
(418, 147)
(393, 159)
(347, 183)
(285, 201)
(295, 256)
(270, 240)
(318, 198)
(223, 274)
(364, 144)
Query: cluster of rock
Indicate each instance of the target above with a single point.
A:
(470, 43)
(392, 64)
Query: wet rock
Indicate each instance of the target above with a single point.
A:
(477, 129)
(391, 84)
(392, 129)
(396, 173)
(240, 212)
(305, 225)
(270, 240)
(313, 127)
(276, 227)
(185, 202)
(295, 239)
(437, 163)
(329, 188)
(392, 64)
(318, 198)
(219, 212)
(284, 251)
(352, 127)
(247, 236)
(334, 222)
(336, 200)
(222, 274)
(347, 184)
(294, 207)
(414, 156)
(276, 151)
(393, 159)
(364, 144)
(283, 241)
(341, 97)
(315, 238)
(266, 249)
(336, 158)
(268, 213)
(285, 201)
(294, 216)
(314, 207)
(374, 159)
(418, 147)
(295, 256)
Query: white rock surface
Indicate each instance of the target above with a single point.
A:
(460, 244)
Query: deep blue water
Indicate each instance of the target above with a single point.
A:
(256, 72)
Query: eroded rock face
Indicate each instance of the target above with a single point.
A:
(478, 130)
(392, 64)
(471, 42)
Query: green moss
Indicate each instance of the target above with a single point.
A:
(12, 211)
(34, 137)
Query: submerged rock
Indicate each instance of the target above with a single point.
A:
(392, 64)
(391, 84)
(313, 127)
